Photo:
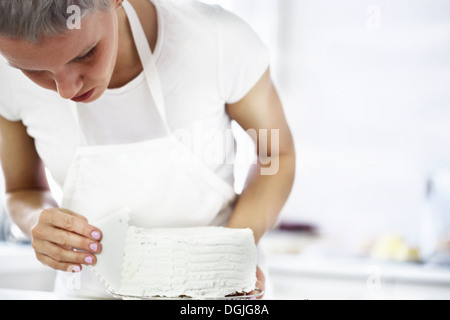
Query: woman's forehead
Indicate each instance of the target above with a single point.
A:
(53, 50)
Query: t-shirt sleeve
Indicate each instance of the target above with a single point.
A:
(7, 109)
(243, 57)
(7, 112)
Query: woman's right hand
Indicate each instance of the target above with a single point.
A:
(64, 240)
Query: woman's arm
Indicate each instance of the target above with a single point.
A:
(26, 187)
(54, 232)
(270, 181)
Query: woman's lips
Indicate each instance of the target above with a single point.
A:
(84, 97)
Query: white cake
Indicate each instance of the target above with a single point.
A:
(193, 262)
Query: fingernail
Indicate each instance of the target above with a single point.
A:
(74, 269)
(93, 247)
(96, 235)
(88, 260)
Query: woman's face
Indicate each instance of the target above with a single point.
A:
(77, 64)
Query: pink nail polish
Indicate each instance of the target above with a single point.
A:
(88, 260)
(96, 235)
(74, 269)
(93, 247)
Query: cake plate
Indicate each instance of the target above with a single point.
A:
(255, 294)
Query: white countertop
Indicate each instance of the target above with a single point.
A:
(359, 268)
(304, 267)
(18, 258)
(14, 294)
(20, 270)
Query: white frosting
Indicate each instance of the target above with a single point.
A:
(194, 262)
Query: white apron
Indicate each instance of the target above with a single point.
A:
(160, 180)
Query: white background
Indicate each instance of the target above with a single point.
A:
(365, 88)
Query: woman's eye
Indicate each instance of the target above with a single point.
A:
(82, 59)
(86, 57)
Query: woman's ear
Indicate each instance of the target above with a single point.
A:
(117, 3)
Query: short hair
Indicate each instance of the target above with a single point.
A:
(32, 19)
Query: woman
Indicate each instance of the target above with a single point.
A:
(124, 90)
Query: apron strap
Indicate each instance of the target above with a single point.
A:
(148, 62)
(150, 71)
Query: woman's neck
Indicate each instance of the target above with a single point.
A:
(128, 64)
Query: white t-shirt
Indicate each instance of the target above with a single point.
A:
(206, 57)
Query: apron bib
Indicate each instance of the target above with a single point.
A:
(160, 180)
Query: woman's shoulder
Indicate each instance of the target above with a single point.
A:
(193, 19)
(17, 93)
(10, 82)
(194, 11)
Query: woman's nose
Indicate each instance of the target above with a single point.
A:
(69, 84)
